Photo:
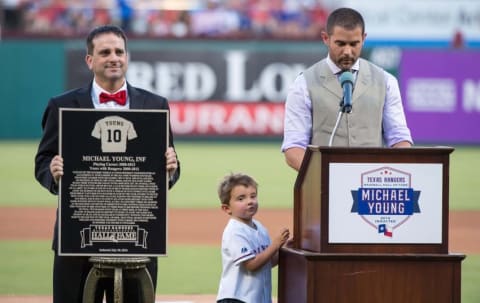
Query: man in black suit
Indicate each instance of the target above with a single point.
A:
(107, 58)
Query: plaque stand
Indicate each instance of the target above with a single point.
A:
(117, 268)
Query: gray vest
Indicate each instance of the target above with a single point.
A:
(361, 127)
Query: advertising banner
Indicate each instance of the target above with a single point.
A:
(441, 92)
(232, 74)
(227, 119)
(237, 89)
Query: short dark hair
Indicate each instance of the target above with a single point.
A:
(104, 29)
(345, 17)
(230, 181)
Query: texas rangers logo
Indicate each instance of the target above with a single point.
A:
(386, 199)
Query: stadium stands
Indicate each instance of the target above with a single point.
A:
(286, 19)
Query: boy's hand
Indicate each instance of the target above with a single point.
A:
(281, 238)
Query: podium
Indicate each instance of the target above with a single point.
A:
(371, 225)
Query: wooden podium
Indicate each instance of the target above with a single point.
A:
(371, 225)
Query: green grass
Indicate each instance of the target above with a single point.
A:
(26, 270)
(464, 164)
(26, 267)
(203, 164)
(471, 279)
(19, 187)
(202, 167)
(196, 269)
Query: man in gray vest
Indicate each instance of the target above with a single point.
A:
(313, 101)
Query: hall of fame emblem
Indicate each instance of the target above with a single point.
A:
(386, 199)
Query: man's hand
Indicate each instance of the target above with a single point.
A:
(402, 144)
(294, 157)
(56, 168)
(172, 163)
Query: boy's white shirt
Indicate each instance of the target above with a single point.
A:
(241, 242)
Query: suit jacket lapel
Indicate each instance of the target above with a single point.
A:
(137, 99)
(84, 97)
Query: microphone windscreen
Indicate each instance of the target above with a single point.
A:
(346, 77)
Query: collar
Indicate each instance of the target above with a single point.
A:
(336, 70)
(97, 90)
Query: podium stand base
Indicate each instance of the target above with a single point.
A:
(368, 278)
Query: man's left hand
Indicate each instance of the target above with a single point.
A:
(172, 163)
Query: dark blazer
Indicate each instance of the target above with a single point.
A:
(81, 98)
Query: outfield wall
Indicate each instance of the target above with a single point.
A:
(237, 88)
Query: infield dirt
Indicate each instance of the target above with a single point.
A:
(205, 226)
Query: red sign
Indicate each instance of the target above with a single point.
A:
(227, 118)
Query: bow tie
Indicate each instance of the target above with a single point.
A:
(119, 97)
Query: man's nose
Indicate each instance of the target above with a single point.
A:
(348, 50)
(113, 56)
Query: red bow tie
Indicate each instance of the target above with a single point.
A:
(119, 97)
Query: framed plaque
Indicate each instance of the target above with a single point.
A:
(113, 194)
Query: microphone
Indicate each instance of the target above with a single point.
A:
(346, 81)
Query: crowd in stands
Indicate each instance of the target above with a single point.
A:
(295, 19)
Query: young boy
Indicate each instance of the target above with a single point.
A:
(248, 254)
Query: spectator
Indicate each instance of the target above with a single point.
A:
(13, 11)
(263, 22)
(458, 41)
(126, 14)
(215, 20)
(181, 26)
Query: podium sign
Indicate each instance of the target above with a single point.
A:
(112, 198)
(385, 203)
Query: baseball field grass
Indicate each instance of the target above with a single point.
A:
(194, 269)
(203, 164)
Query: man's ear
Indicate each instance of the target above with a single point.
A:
(88, 61)
(325, 37)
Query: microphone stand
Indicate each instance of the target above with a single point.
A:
(339, 116)
(342, 110)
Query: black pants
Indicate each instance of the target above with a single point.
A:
(229, 301)
(70, 273)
